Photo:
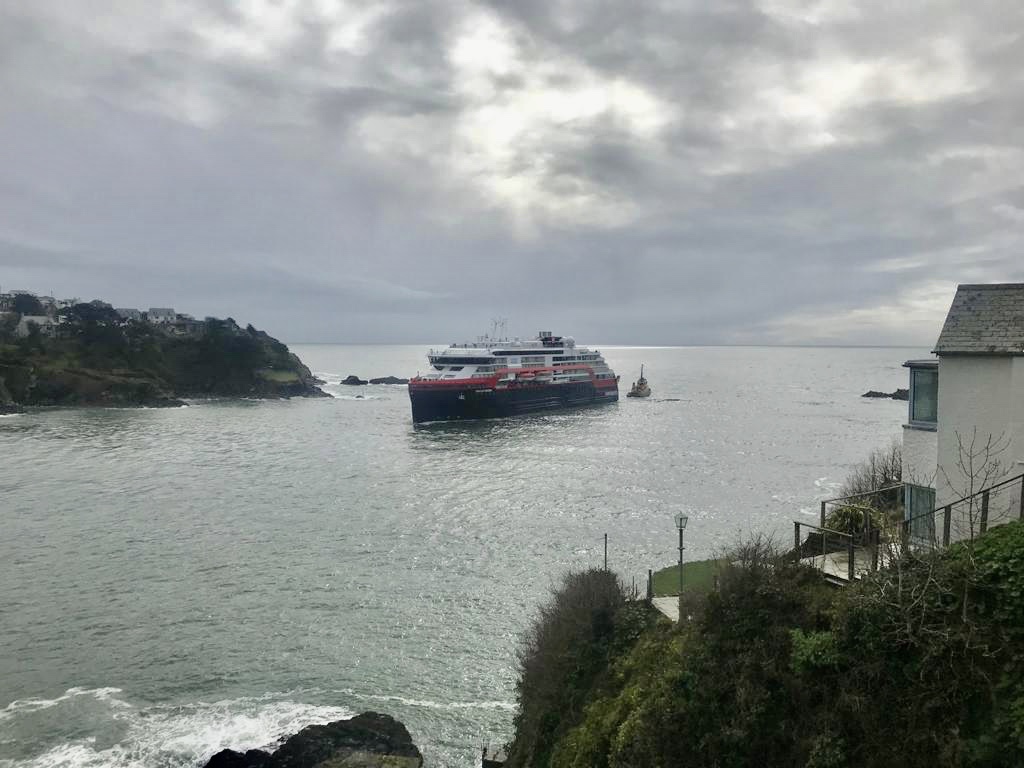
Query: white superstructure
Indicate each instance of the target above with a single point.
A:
(556, 357)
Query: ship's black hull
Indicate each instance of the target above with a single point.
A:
(458, 404)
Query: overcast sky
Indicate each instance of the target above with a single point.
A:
(735, 171)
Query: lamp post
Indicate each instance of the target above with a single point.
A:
(681, 524)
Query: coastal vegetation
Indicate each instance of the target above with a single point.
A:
(96, 357)
(920, 664)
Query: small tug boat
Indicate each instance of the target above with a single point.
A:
(640, 387)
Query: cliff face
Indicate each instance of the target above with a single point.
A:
(141, 365)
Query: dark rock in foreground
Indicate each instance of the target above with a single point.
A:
(353, 381)
(369, 740)
(899, 394)
(389, 380)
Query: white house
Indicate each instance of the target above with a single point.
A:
(965, 427)
(129, 313)
(161, 315)
(45, 323)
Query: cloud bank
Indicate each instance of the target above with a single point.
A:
(744, 171)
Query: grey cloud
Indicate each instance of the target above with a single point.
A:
(307, 185)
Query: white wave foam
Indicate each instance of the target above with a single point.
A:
(176, 736)
(445, 705)
(27, 706)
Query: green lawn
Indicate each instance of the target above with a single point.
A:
(698, 575)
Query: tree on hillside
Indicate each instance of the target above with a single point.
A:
(8, 322)
(27, 304)
(93, 313)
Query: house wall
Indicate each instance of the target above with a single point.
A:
(1017, 415)
(919, 456)
(44, 323)
(980, 398)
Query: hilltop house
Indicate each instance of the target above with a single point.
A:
(965, 426)
(161, 315)
(128, 313)
(186, 325)
(46, 324)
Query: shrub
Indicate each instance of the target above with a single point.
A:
(853, 519)
(566, 647)
(881, 469)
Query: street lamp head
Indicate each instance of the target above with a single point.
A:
(681, 521)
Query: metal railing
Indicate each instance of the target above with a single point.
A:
(821, 546)
(968, 516)
(842, 556)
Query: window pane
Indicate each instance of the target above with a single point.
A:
(925, 396)
(921, 505)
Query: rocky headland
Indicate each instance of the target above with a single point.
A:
(369, 740)
(96, 358)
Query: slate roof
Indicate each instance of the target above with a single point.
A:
(985, 320)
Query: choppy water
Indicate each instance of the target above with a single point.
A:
(176, 581)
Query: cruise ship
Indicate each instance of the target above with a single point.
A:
(491, 378)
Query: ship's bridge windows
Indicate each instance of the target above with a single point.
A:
(453, 360)
(513, 353)
(533, 359)
(455, 367)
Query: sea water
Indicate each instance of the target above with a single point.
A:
(173, 582)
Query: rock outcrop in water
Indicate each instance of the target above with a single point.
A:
(899, 394)
(369, 740)
(355, 381)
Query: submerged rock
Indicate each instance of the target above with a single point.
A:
(369, 740)
(389, 380)
(353, 381)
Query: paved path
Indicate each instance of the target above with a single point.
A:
(668, 606)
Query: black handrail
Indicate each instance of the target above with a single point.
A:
(947, 509)
(850, 553)
(864, 493)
